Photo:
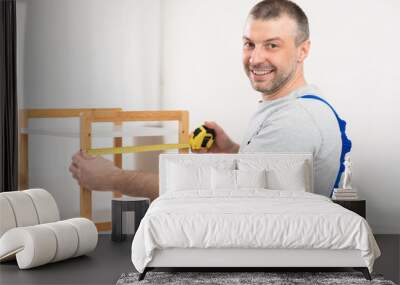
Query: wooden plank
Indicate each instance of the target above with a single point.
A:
(85, 144)
(117, 157)
(103, 226)
(23, 152)
(143, 116)
(184, 130)
(66, 113)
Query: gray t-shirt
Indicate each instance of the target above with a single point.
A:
(289, 124)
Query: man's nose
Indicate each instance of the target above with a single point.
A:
(257, 56)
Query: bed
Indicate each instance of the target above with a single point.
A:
(245, 211)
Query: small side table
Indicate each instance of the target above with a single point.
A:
(357, 206)
(138, 205)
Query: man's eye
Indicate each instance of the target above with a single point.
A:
(272, 46)
(247, 45)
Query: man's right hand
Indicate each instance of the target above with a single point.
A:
(222, 143)
(94, 172)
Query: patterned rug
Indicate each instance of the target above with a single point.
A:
(243, 278)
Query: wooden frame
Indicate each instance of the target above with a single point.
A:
(117, 118)
(26, 114)
(87, 117)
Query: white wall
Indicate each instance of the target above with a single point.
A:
(84, 54)
(354, 60)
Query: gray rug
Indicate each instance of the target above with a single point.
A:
(269, 278)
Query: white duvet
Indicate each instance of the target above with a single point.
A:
(250, 219)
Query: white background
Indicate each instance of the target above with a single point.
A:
(186, 54)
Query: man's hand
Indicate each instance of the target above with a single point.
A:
(94, 173)
(222, 143)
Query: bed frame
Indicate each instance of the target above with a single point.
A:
(234, 259)
(250, 259)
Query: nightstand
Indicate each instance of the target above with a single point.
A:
(357, 206)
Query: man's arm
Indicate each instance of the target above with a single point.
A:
(137, 183)
(100, 174)
(96, 173)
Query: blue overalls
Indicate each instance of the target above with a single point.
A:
(346, 142)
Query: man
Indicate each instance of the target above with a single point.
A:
(275, 45)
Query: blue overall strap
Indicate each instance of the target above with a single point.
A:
(346, 142)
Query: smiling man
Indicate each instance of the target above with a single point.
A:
(291, 117)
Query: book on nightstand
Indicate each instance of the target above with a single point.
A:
(345, 194)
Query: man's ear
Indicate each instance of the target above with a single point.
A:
(304, 49)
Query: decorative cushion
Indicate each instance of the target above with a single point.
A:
(87, 233)
(29, 207)
(292, 179)
(223, 179)
(280, 174)
(40, 244)
(7, 220)
(23, 208)
(194, 173)
(226, 179)
(181, 177)
(67, 239)
(282, 169)
(34, 244)
(251, 178)
(45, 205)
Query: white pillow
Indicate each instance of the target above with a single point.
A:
(288, 178)
(227, 179)
(181, 177)
(288, 175)
(223, 179)
(251, 178)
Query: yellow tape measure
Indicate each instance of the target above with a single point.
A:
(133, 149)
(201, 138)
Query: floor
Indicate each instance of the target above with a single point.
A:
(111, 259)
(389, 262)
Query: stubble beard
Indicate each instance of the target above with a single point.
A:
(277, 83)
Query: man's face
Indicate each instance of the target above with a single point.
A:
(270, 55)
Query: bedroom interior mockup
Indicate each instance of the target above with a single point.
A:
(217, 142)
